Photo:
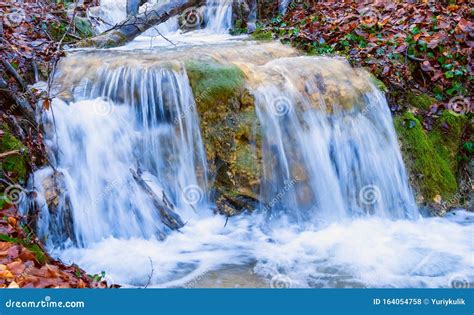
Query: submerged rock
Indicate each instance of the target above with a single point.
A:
(55, 209)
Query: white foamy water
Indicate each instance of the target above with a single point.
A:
(361, 253)
(131, 120)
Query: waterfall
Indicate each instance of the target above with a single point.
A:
(284, 6)
(329, 147)
(109, 13)
(336, 207)
(218, 15)
(127, 118)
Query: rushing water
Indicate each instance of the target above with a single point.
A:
(336, 207)
(284, 6)
(130, 119)
(109, 14)
(216, 16)
(330, 161)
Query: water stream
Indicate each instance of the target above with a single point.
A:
(336, 206)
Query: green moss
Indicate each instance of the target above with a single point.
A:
(446, 136)
(262, 34)
(15, 165)
(433, 173)
(228, 124)
(213, 82)
(379, 84)
(421, 101)
(239, 28)
(57, 30)
(83, 27)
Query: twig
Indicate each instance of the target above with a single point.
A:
(71, 23)
(15, 74)
(415, 58)
(151, 274)
(9, 153)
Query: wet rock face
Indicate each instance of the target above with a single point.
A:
(241, 10)
(229, 127)
(59, 214)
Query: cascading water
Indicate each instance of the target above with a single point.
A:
(168, 27)
(217, 16)
(139, 119)
(336, 208)
(108, 14)
(329, 144)
(283, 6)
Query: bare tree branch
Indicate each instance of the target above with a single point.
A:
(135, 25)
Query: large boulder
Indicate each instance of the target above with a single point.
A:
(229, 128)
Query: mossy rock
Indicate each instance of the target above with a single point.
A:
(379, 84)
(229, 127)
(421, 101)
(212, 81)
(446, 136)
(83, 27)
(431, 172)
(14, 165)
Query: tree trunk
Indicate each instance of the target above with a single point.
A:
(135, 25)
